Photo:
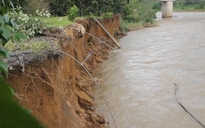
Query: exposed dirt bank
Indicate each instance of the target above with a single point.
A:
(57, 89)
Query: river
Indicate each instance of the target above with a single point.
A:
(138, 81)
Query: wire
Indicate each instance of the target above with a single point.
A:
(97, 84)
(176, 88)
(94, 82)
(100, 40)
(97, 39)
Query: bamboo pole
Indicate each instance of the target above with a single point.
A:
(113, 39)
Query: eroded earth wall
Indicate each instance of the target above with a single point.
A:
(58, 90)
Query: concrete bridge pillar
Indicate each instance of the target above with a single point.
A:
(167, 8)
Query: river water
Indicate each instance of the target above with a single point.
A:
(138, 81)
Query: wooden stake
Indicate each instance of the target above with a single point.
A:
(113, 39)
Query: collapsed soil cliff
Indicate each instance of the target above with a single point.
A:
(57, 89)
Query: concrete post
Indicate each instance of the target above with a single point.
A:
(167, 8)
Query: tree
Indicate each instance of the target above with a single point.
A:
(30, 6)
(140, 10)
(120, 7)
(60, 7)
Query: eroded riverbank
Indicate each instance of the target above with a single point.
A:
(53, 85)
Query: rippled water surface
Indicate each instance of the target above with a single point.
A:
(139, 79)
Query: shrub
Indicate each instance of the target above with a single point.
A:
(60, 7)
(27, 23)
(107, 15)
(73, 13)
(30, 6)
(7, 32)
(156, 6)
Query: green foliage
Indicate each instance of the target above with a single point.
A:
(3, 66)
(200, 6)
(107, 15)
(73, 13)
(97, 7)
(7, 32)
(30, 6)
(157, 6)
(120, 7)
(12, 115)
(32, 46)
(28, 24)
(189, 5)
(60, 7)
(5, 6)
(56, 21)
(140, 10)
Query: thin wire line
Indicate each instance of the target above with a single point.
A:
(176, 88)
(98, 85)
(98, 39)
(95, 84)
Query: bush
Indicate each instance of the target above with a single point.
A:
(200, 6)
(73, 13)
(107, 15)
(60, 7)
(28, 24)
(156, 6)
(30, 6)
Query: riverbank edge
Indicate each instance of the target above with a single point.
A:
(56, 88)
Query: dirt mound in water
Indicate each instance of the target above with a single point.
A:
(57, 89)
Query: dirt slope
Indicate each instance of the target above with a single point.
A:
(57, 89)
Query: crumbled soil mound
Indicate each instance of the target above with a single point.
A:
(54, 86)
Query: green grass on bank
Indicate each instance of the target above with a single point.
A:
(63, 21)
(125, 25)
(103, 16)
(189, 8)
(36, 44)
(57, 21)
(129, 26)
(33, 45)
(88, 16)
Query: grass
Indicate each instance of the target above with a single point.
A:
(103, 16)
(188, 8)
(36, 44)
(88, 16)
(63, 21)
(134, 25)
(57, 21)
(33, 45)
(129, 26)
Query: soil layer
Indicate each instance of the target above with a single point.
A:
(58, 90)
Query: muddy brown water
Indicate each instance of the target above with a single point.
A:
(139, 79)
